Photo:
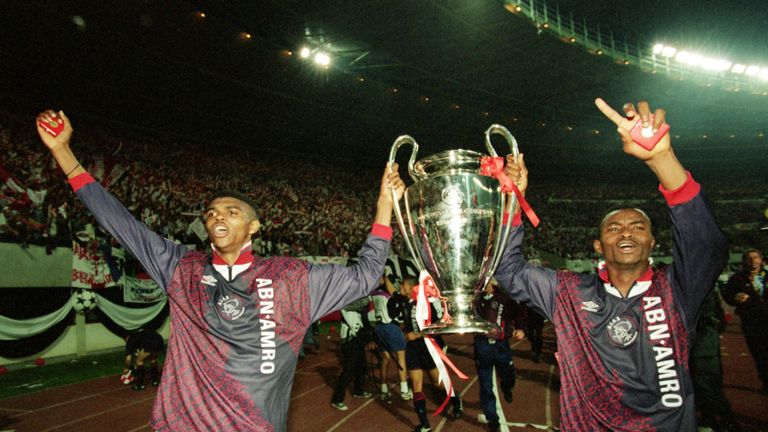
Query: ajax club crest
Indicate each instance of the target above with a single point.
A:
(230, 308)
(622, 331)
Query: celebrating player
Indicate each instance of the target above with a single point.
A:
(237, 319)
(623, 334)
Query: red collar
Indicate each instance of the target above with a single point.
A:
(246, 256)
(603, 273)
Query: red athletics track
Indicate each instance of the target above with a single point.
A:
(106, 405)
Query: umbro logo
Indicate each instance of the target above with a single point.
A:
(208, 280)
(590, 306)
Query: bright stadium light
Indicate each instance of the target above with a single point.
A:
(752, 70)
(669, 51)
(305, 52)
(322, 59)
(658, 48)
(716, 64)
(764, 74)
(689, 58)
(738, 68)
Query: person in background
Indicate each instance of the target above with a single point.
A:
(417, 357)
(748, 291)
(534, 331)
(493, 350)
(707, 369)
(391, 340)
(354, 339)
(142, 349)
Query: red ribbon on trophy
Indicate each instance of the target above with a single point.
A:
(494, 167)
(425, 290)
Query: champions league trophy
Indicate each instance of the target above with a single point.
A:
(454, 226)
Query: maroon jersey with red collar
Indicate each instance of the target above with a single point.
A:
(624, 360)
(235, 330)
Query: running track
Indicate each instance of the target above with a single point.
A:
(105, 405)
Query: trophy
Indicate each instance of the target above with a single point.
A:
(454, 226)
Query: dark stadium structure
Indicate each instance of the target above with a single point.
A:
(229, 73)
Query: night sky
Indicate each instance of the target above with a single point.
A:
(441, 71)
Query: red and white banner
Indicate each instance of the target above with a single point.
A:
(89, 269)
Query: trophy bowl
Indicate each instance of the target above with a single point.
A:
(453, 227)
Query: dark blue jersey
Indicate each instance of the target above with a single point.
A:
(624, 361)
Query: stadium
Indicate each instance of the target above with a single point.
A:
(297, 105)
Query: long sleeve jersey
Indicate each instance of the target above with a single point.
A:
(624, 360)
(235, 330)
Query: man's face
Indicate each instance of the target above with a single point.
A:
(626, 239)
(753, 261)
(230, 223)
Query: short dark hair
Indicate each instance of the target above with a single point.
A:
(236, 195)
(613, 212)
(746, 253)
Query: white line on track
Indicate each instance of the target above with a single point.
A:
(499, 410)
(347, 417)
(316, 365)
(442, 422)
(98, 414)
(69, 401)
(309, 391)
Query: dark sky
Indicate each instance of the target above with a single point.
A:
(153, 66)
(735, 28)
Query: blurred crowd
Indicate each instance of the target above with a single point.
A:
(309, 207)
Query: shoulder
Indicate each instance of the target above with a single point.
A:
(194, 255)
(283, 263)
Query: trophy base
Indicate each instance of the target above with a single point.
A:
(466, 326)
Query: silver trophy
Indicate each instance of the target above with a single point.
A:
(454, 226)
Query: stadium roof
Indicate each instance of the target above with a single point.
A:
(442, 71)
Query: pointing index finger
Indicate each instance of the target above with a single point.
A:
(608, 111)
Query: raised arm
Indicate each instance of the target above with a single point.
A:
(661, 159)
(331, 287)
(59, 145)
(699, 248)
(517, 278)
(157, 255)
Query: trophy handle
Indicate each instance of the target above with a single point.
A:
(400, 141)
(503, 237)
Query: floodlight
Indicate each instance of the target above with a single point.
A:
(658, 48)
(322, 58)
(752, 70)
(764, 74)
(715, 64)
(669, 51)
(305, 52)
(738, 68)
(689, 58)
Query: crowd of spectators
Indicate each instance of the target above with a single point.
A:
(311, 207)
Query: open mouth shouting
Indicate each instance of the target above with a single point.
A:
(219, 230)
(627, 246)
